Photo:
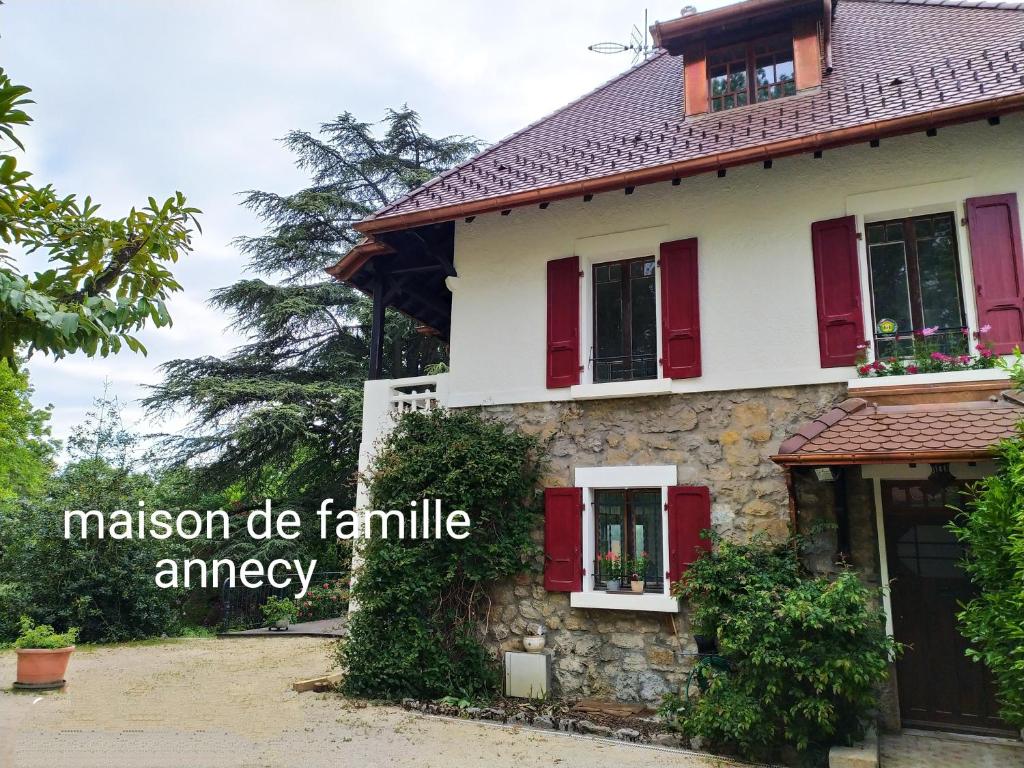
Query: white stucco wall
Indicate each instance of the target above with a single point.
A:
(758, 317)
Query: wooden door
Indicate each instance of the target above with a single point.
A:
(939, 687)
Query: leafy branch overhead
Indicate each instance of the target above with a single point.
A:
(105, 279)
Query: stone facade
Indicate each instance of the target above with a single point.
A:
(723, 440)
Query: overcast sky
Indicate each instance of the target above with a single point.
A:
(145, 97)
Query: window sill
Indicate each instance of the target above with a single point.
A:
(624, 602)
(949, 377)
(621, 389)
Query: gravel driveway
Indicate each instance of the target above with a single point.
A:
(222, 702)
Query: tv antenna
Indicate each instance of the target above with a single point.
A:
(639, 43)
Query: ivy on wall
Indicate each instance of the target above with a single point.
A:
(421, 602)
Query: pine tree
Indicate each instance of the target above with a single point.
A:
(282, 413)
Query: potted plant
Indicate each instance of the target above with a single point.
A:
(706, 637)
(278, 613)
(638, 572)
(43, 655)
(533, 641)
(610, 565)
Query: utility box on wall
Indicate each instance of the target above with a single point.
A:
(527, 675)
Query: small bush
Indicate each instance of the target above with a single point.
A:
(807, 654)
(278, 609)
(992, 527)
(326, 601)
(42, 636)
(416, 631)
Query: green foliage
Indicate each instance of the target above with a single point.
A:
(42, 636)
(416, 632)
(107, 278)
(807, 654)
(992, 528)
(278, 609)
(281, 416)
(104, 586)
(324, 601)
(26, 450)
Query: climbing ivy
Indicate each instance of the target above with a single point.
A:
(421, 602)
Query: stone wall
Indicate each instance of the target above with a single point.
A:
(723, 440)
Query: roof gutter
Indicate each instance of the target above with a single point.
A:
(819, 141)
(892, 457)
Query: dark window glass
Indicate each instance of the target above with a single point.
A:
(629, 523)
(743, 74)
(915, 284)
(625, 321)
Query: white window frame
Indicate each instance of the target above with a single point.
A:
(908, 202)
(634, 244)
(622, 477)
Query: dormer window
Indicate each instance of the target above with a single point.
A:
(749, 53)
(762, 70)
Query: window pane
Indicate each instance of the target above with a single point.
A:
(937, 263)
(644, 329)
(889, 285)
(608, 317)
(610, 508)
(647, 533)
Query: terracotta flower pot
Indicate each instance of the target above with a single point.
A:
(42, 667)
(637, 585)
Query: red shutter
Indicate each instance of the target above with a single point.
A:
(563, 322)
(680, 310)
(996, 253)
(837, 287)
(689, 513)
(563, 539)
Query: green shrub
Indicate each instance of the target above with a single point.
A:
(416, 631)
(807, 654)
(324, 601)
(278, 609)
(992, 527)
(13, 603)
(34, 635)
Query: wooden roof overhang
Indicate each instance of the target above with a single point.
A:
(722, 26)
(880, 457)
(407, 270)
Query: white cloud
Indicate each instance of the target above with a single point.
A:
(145, 98)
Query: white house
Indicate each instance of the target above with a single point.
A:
(674, 280)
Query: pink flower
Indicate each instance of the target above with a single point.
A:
(965, 331)
(941, 357)
(985, 328)
(911, 369)
(964, 359)
(863, 370)
(930, 331)
(986, 352)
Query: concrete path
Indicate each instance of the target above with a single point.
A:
(323, 628)
(912, 750)
(215, 702)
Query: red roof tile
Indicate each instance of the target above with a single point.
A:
(856, 431)
(892, 58)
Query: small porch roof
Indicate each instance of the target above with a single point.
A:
(859, 432)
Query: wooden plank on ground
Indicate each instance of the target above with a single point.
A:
(318, 684)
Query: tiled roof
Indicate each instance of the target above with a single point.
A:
(892, 59)
(858, 430)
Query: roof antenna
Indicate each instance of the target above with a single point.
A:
(639, 43)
